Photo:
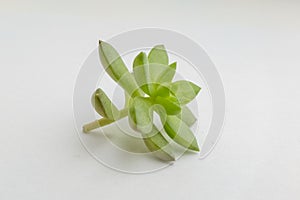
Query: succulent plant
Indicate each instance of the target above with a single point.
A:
(148, 88)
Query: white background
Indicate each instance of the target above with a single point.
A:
(255, 46)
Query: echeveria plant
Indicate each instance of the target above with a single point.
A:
(148, 89)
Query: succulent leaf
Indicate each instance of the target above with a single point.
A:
(116, 68)
(157, 144)
(185, 91)
(180, 133)
(141, 114)
(104, 106)
(187, 116)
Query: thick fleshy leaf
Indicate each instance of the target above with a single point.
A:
(104, 106)
(177, 129)
(187, 116)
(141, 114)
(142, 74)
(180, 133)
(185, 91)
(158, 54)
(157, 144)
(170, 104)
(167, 74)
(158, 62)
(116, 68)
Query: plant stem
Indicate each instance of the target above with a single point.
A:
(103, 122)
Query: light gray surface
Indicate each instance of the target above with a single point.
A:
(255, 47)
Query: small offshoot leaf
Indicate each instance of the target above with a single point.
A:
(104, 106)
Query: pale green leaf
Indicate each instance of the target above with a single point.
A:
(158, 63)
(180, 133)
(187, 116)
(116, 68)
(167, 74)
(141, 114)
(142, 74)
(104, 106)
(158, 54)
(157, 144)
(185, 91)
